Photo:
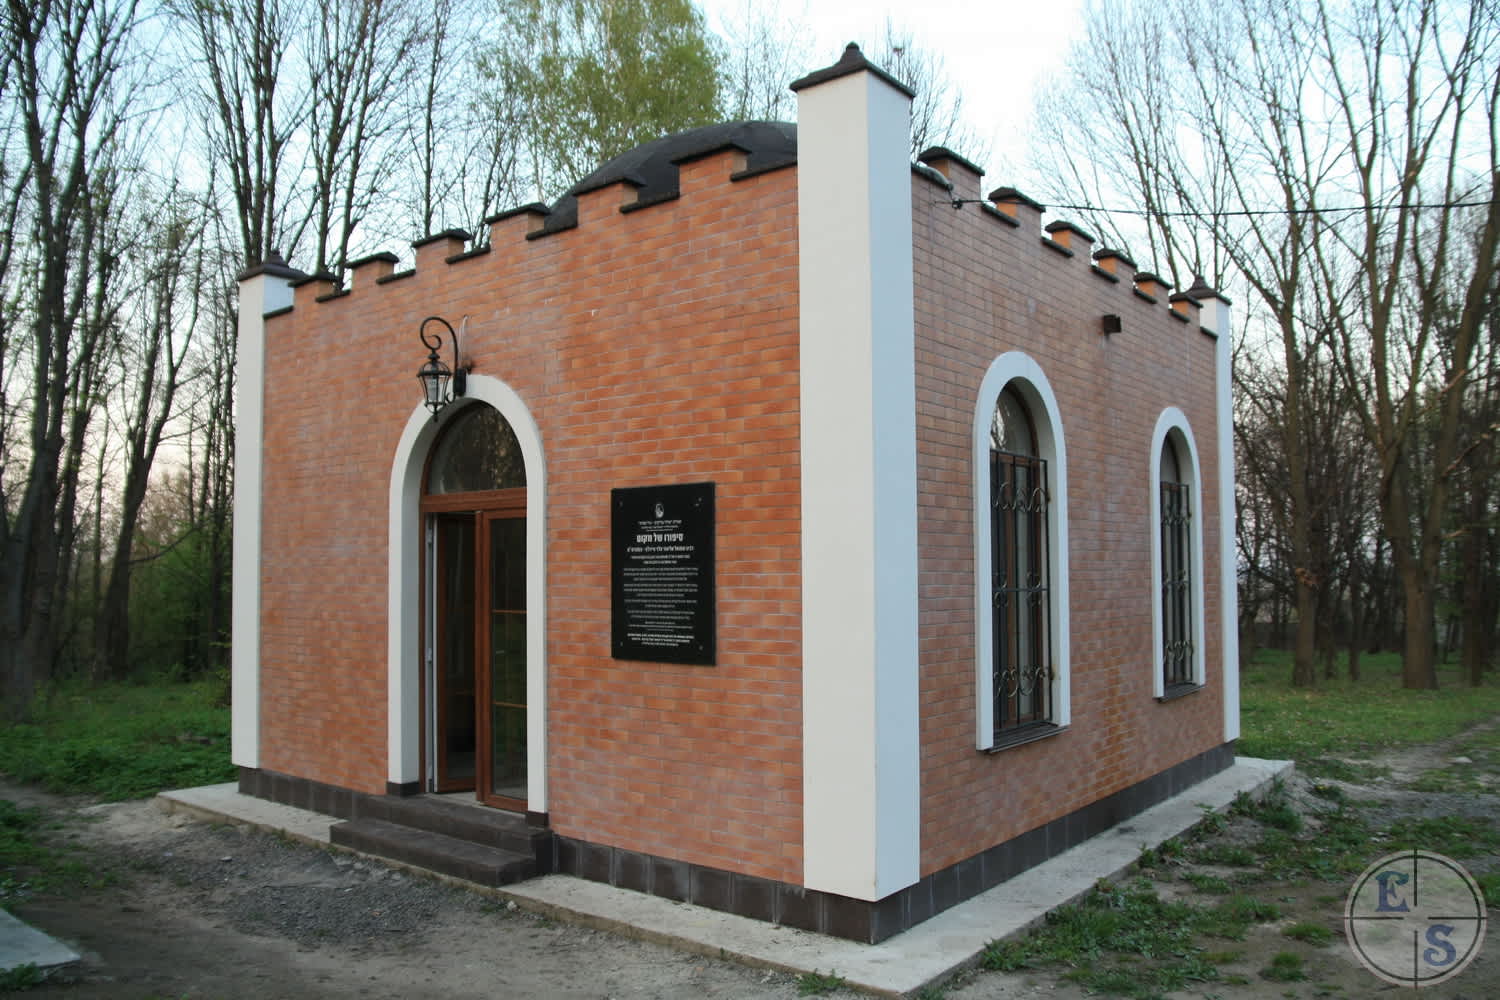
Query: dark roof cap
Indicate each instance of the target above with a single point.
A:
(314, 278)
(652, 167)
(1062, 225)
(933, 154)
(446, 234)
(384, 255)
(1011, 194)
(1118, 255)
(1202, 291)
(273, 265)
(851, 62)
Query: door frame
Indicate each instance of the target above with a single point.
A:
(406, 607)
(480, 508)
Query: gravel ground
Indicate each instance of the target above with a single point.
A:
(193, 909)
(197, 910)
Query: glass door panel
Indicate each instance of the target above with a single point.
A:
(506, 655)
(457, 738)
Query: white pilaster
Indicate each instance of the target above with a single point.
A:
(1216, 316)
(861, 779)
(262, 289)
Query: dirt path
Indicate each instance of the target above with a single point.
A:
(195, 910)
(206, 911)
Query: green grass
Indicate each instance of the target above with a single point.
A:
(1209, 885)
(1343, 718)
(20, 978)
(1309, 932)
(816, 984)
(1489, 884)
(122, 741)
(1126, 940)
(1455, 836)
(1483, 750)
(29, 863)
(1285, 967)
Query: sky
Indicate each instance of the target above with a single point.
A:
(995, 53)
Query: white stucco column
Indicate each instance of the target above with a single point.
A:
(264, 288)
(861, 780)
(1216, 316)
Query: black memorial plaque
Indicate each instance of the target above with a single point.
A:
(662, 573)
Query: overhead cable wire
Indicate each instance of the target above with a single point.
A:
(1164, 214)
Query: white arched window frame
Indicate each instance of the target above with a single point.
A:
(1024, 376)
(404, 652)
(1172, 426)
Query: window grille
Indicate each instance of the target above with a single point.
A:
(1020, 592)
(1176, 584)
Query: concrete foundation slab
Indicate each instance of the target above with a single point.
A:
(21, 944)
(926, 954)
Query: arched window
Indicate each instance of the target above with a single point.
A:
(1020, 602)
(478, 451)
(1176, 557)
(1176, 570)
(1020, 557)
(478, 634)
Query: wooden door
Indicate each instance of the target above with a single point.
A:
(456, 578)
(502, 652)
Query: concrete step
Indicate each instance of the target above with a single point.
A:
(490, 827)
(433, 851)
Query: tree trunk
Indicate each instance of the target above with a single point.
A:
(1477, 587)
(1304, 648)
(28, 568)
(112, 626)
(1419, 665)
(1356, 616)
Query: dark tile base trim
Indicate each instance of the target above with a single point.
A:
(403, 789)
(793, 905)
(304, 793)
(862, 920)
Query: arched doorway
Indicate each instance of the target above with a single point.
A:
(473, 507)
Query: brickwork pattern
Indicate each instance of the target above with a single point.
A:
(984, 287)
(653, 346)
(661, 346)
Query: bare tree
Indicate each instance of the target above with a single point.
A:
(937, 112)
(65, 109)
(1191, 127)
(764, 48)
(1305, 139)
(155, 339)
(357, 62)
(462, 138)
(252, 108)
(1416, 88)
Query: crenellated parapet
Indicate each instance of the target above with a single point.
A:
(691, 165)
(1008, 209)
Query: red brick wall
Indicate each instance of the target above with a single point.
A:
(983, 288)
(657, 346)
(661, 346)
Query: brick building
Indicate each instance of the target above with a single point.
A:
(812, 539)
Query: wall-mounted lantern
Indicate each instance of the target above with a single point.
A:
(1111, 324)
(436, 376)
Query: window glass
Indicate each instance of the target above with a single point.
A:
(1019, 587)
(1176, 571)
(1010, 430)
(1169, 467)
(478, 451)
